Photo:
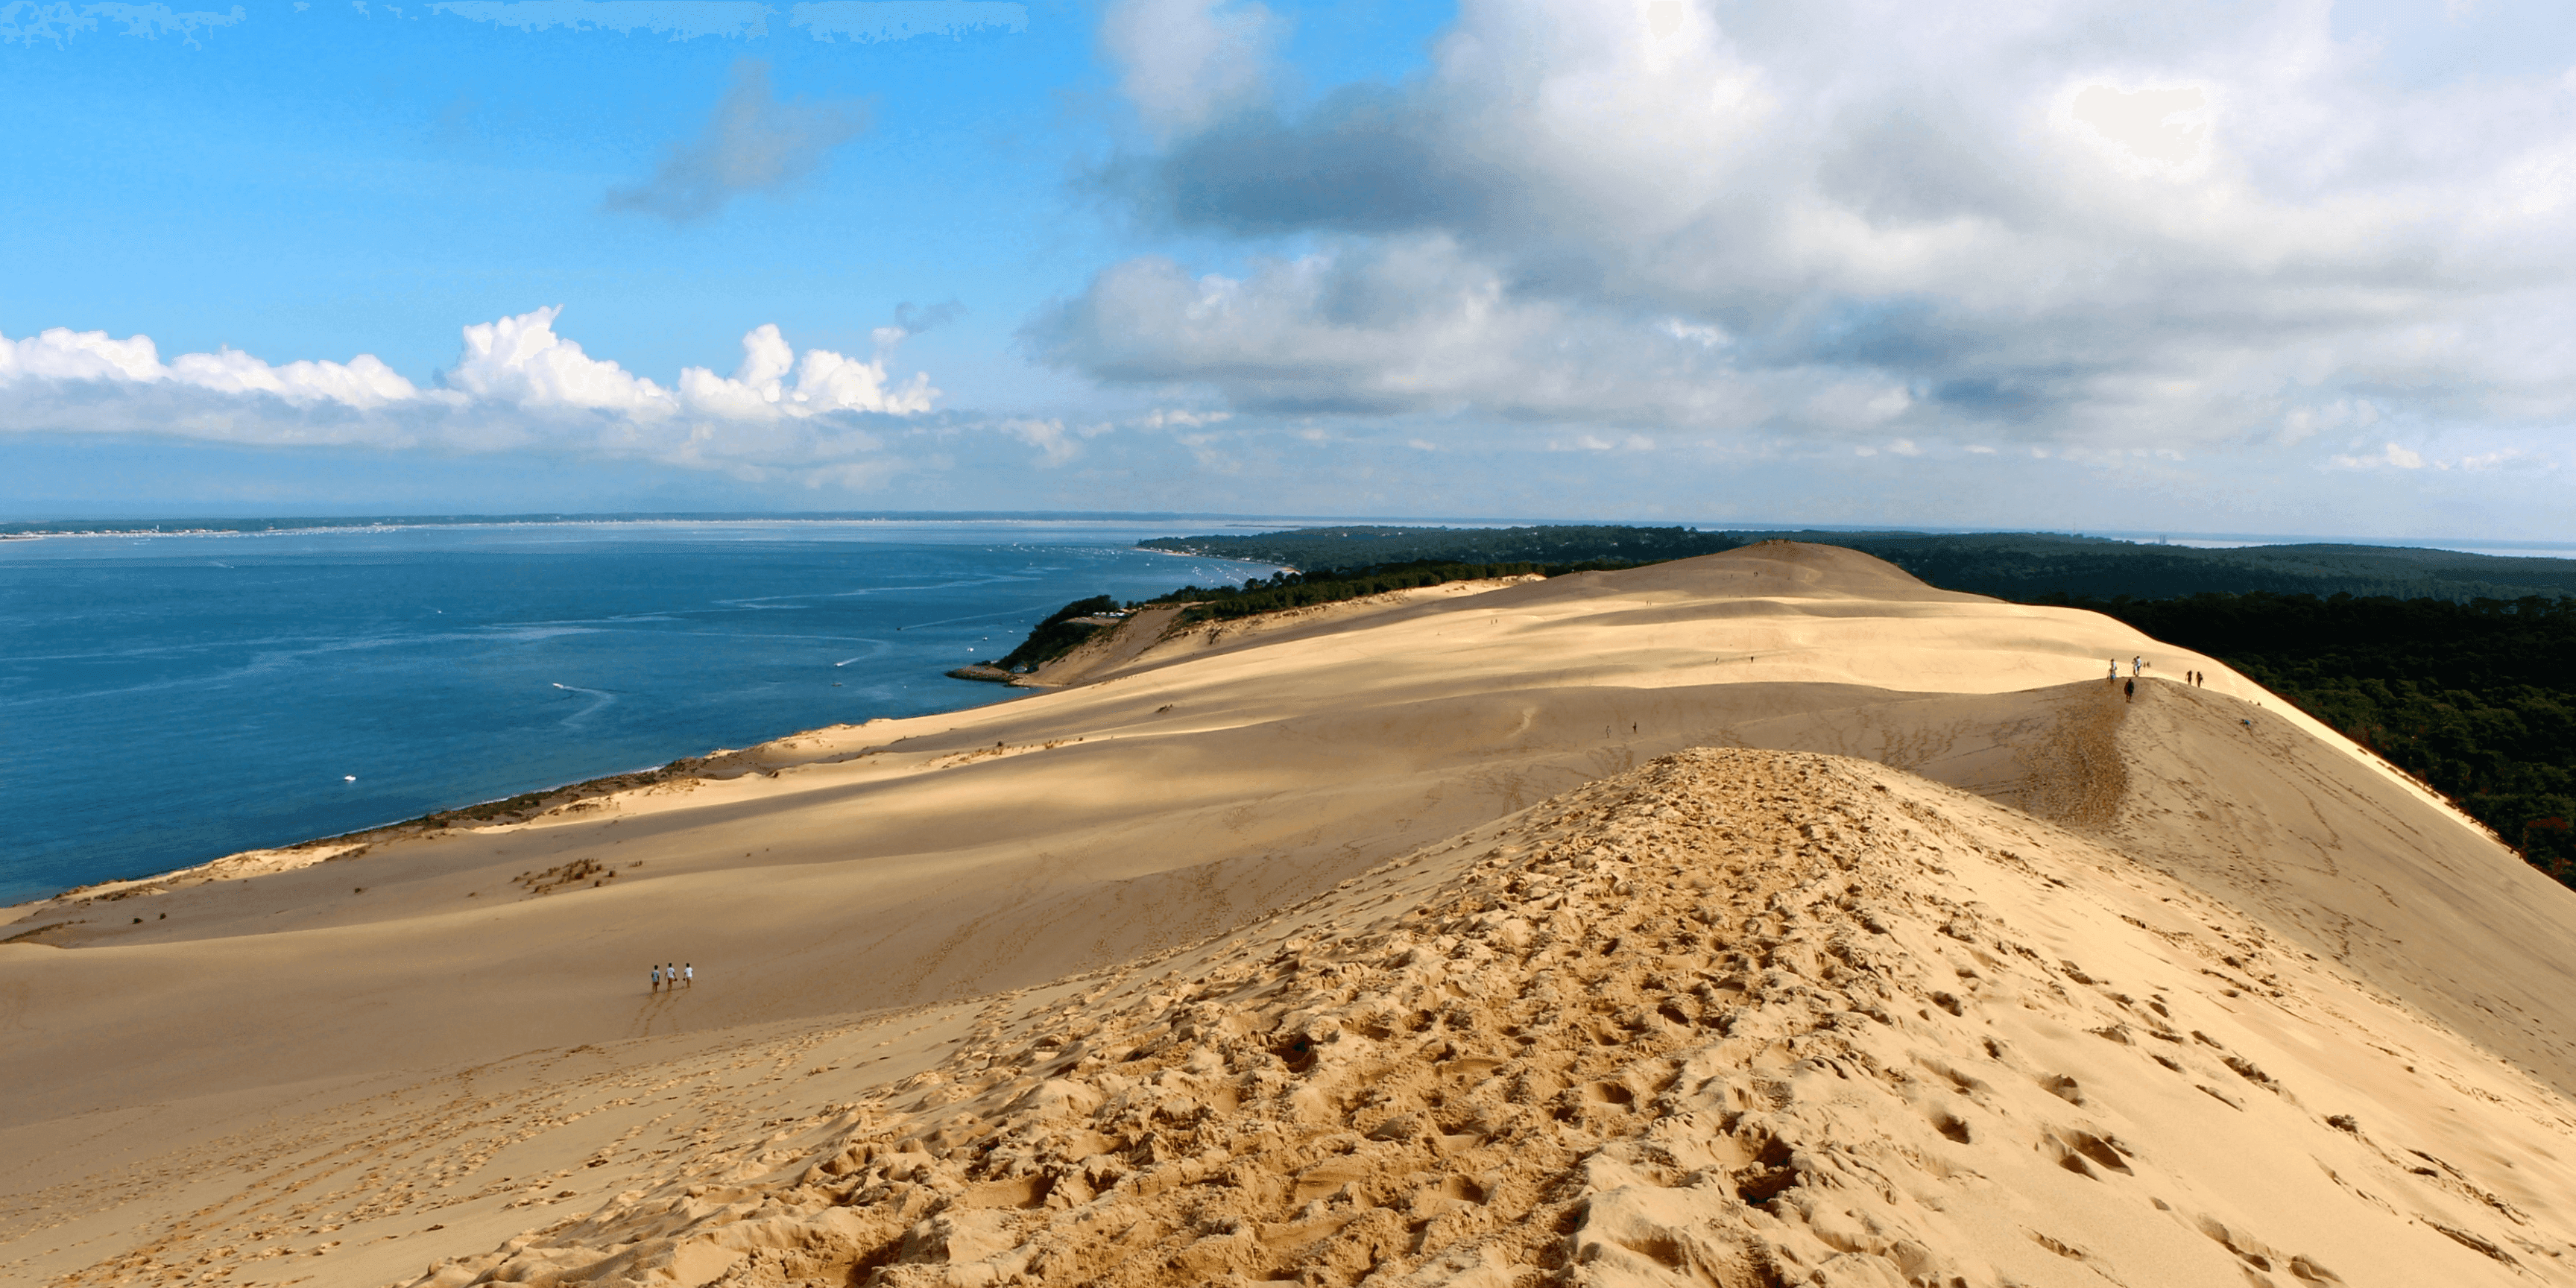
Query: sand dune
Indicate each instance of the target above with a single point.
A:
(450, 1029)
(1735, 1017)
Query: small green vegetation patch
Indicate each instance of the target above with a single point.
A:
(1057, 635)
(1303, 590)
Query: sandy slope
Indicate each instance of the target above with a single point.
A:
(1735, 1017)
(863, 871)
(1155, 635)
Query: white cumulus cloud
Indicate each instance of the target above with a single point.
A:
(516, 385)
(62, 354)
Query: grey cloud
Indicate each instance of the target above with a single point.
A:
(1384, 326)
(1903, 163)
(753, 143)
(914, 319)
(1749, 221)
(1361, 161)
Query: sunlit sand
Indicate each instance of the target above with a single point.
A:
(1763, 918)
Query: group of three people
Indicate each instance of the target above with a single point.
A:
(675, 976)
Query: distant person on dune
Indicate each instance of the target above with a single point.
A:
(657, 979)
(2115, 670)
(2137, 667)
(689, 974)
(2129, 691)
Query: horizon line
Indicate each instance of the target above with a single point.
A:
(103, 525)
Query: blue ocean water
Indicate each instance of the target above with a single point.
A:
(167, 700)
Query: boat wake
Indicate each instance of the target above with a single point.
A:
(579, 718)
(876, 649)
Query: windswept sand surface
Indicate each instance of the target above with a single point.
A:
(1253, 958)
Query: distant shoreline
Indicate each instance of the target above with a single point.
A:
(25, 532)
(210, 525)
(129, 840)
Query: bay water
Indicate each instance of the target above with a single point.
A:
(165, 700)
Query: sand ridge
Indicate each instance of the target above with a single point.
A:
(1735, 1017)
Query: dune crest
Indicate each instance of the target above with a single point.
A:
(1736, 1017)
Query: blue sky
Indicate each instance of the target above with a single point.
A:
(2202, 267)
(323, 182)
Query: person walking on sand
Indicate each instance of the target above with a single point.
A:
(2137, 667)
(689, 974)
(2129, 691)
(657, 979)
(2115, 670)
